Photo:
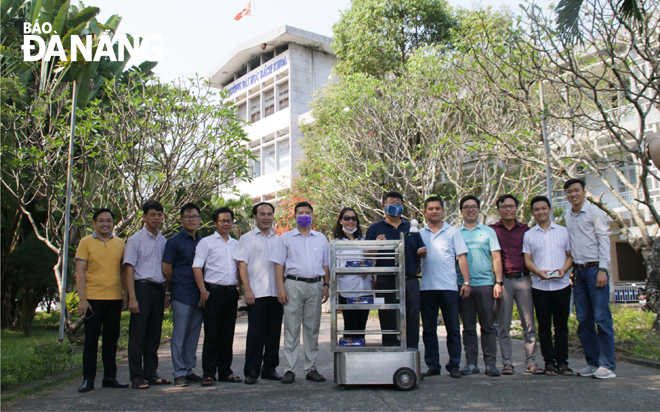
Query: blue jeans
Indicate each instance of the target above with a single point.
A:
(593, 309)
(447, 302)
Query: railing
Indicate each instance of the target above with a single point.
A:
(609, 199)
(620, 115)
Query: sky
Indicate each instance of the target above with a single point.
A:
(197, 34)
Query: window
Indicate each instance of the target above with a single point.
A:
(284, 103)
(254, 117)
(255, 111)
(255, 165)
(283, 154)
(269, 159)
(269, 110)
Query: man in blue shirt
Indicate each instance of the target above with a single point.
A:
(187, 314)
(483, 256)
(390, 228)
(439, 287)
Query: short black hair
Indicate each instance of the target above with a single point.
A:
(258, 205)
(502, 198)
(104, 210)
(433, 199)
(469, 197)
(302, 204)
(537, 199)
(395, 195)
(151, 205)
(189, 206)
(217, 212)
(571, 182)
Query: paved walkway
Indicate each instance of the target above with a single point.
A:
(635, 388)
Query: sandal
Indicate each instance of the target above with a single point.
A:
(232, 379)
(160, 381)
(535, 370)
(208, 381)
(564, 370)
(550, 370)
(139, 384)
(508, 370)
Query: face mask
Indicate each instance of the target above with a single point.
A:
(394, 210)
(350, 232)
(304, 220)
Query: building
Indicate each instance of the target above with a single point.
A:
(272, 79)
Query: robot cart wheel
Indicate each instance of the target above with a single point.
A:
(405, 379)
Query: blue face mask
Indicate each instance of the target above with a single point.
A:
(303, 220)
(395, 210)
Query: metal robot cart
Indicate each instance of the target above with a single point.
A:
(372, 364)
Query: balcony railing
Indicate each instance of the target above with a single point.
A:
(620, 115)
(609, 199)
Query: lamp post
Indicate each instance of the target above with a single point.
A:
(544, 128)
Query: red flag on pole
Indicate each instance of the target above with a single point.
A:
(244, 12)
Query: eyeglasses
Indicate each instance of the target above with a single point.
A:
(471, 207)
(104, 221)
(505, 207)
(349, 218)
(190, 217)
(225, 221)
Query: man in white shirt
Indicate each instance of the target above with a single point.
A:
(547, 251)
(218, 296)
(264, 311)
(302, 258)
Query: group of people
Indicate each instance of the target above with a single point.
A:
(469, 272)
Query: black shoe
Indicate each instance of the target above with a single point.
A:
(315, 376)
(180, 381)
(86, 386)
(113, 383)
(289, 377)
(250, 380)
(273, 376)
(455, 372)
(431, 372)
(193, 377)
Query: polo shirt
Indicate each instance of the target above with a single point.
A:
(254, 249)
(180, 253)
(216, 257)
(412, 242)
(439, 265)
(548, 249)
(511, 244)
(145, 254)
(303, 256)
(589, 233)
(103, 274)
(481, 241)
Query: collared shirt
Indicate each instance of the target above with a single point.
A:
(481, 242)
(439, 265)
(548, 249)
(589, 233)
(412, 243)
(216, 257)
(511, 244)
(103, 273)
(254, 248)
(145, 254)
(303, 256)
(351, 282)
(180, 253)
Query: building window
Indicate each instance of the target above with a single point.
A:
(269, 110)
(255, 165)
(284, 103)
(283, 154)
(269, 159)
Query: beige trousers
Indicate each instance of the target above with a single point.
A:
(304, 308)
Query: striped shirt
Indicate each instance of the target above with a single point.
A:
(589, 233)
(302, 256)
(548, 249)
(145, 254)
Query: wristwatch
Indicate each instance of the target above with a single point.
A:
(603, 269)
(466, 283)
(326, 284)
(499, 283)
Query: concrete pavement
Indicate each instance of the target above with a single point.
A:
(635, 388)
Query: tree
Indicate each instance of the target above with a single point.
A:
(568, 14)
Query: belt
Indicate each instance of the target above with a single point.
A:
(412, 277)
(302, 279)
(151, 283)
(515, 275)
(213, 286)
(580, 266)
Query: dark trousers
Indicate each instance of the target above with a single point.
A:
(553, 308)
(447, 302)
(388, 318)
(355, 319)
(144, 331)
(106, 316)
(263, 336)
(219, 321)
(480, 302)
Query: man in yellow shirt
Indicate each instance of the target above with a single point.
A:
(98, 278)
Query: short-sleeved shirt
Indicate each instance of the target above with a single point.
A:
(103, 275)
(439, 265)
(254, 249)
(350, 282)
(216, 257)
(145, 254)
(511, 244)
(413, 242)
(589, 233)
(481, 242)
(180, 253)
(548, 249)
(303, 256)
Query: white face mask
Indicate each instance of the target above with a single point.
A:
(350, 232)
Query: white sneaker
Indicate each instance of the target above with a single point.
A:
(604, 373)
(587, 371)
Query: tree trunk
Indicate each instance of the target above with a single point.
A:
(653, 284)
